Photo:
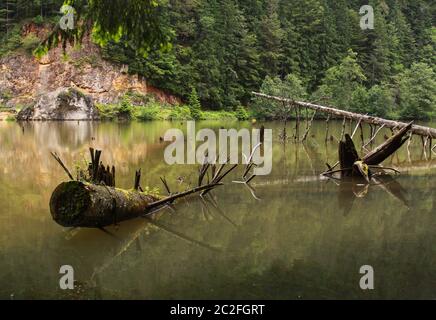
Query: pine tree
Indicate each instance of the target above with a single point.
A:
(377, 60)
(239, 59)
(194, 105)
(7, 12)
(406, 48)
(270, 36)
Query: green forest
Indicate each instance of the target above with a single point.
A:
(222, 50)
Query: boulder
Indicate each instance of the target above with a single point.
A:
(62, 104)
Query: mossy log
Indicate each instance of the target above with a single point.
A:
(95, 202)
(81, 204)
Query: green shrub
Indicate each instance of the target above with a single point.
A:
(6, 95)
(125, 109)
(242, 114)
(219, 115)
(157, 111)
(139, 99)
(39, 20)
(107, 111)
(30, 43)
(12, 42)
(149, 112)
(180, 113)
(11, 118)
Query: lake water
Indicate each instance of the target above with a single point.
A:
(303, 238)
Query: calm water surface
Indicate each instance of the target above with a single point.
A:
(304, 238)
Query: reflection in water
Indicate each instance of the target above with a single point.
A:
(304, 237)
(350, 189)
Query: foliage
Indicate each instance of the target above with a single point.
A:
(242, 114)
(291, 87)
(11, 118)
(341, 81)
(416, 92)
(11, 41)
(377, 101)
(135, 22)
(219, 115)
(146, 108)
(30, 43)
(228, 48)
(5, 95)
(149, 112)
(180, 113)
(194, 105)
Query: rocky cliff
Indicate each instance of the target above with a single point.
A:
(24, 79)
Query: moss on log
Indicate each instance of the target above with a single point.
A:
(80, 204)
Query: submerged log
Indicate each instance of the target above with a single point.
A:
(92, 203)
(80, 204)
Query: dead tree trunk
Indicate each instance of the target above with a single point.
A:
(382, 152)
(80, 204)
(93, 203)
(354, 166)
(416, 129)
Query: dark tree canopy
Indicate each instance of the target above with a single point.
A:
(134, 22)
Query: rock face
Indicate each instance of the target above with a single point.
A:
(61, 104)
(23, 78)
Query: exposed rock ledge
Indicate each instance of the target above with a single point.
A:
(23, 78)
(62, 104)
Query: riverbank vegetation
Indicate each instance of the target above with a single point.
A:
(145, 108)
(223, 50)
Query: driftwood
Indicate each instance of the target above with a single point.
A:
(416, 129)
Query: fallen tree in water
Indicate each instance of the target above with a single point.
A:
(415, 129)
(351, 165)
(93, 201)
(81, 204)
